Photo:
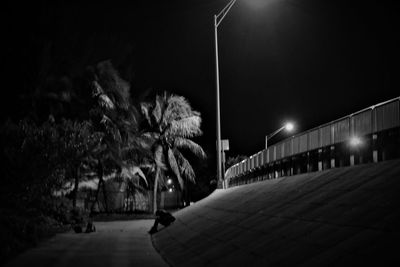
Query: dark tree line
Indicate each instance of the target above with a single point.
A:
(90, 127)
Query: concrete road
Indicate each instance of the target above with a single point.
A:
(120, 243)
(339, 217)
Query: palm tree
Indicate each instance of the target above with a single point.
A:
(115, 116)
(171, 123)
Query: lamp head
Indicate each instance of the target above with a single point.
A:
(289, 126)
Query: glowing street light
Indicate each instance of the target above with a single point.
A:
(169, 181)
(289, 127)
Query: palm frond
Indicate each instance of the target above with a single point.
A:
(177, 108)
(157, 112)
(133, 115)
(105, 119)
(186, 127)
(150, 135)
(116, 88)
(175, 167)
(147, 140)
(129, 172)
(97, 90)
(161, 102)
(139, 142)
(195, 148)
(185, 167)
(145, 108)
(134, 186)
(106, 102)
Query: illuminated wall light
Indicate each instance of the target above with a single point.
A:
(355, 141)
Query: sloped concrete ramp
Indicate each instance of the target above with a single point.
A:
(339, 217)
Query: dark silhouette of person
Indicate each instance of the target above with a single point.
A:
(162, 217)
(79, 225)
(90, 227)
(77, 222)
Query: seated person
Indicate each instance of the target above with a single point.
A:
(90, 227)
(77, 224)
(163, 217)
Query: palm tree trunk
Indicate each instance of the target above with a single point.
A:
(76, 185)
(155, 190)
(134, 204)
(97, 197)
(99, 186)
(105, 196)
(185, 190)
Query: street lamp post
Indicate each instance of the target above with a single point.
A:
(288, 127)
(217, 20)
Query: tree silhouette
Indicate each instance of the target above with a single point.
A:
(171, 123)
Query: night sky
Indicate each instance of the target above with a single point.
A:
(309, 61)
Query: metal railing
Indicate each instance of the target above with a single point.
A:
(368, 122)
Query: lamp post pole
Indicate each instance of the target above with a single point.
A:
(219, 170)
(217, 20)
(288, 127)
(272, 135)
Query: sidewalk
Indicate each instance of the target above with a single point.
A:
(118, 243)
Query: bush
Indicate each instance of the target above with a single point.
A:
(21, 231)
(23, 225)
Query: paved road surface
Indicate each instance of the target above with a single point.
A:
(338, 217)
(120, 243)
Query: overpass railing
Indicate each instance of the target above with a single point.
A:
(369, 135)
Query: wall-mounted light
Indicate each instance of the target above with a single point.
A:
(355, 141)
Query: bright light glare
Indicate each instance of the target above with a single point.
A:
(289, 126)
(355, 141)
(169, 181)
(170, 190)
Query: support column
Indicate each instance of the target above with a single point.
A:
(374, 148)
(319, 159)
(351, 160)
(333, 163)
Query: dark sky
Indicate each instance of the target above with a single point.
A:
(309, 61)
